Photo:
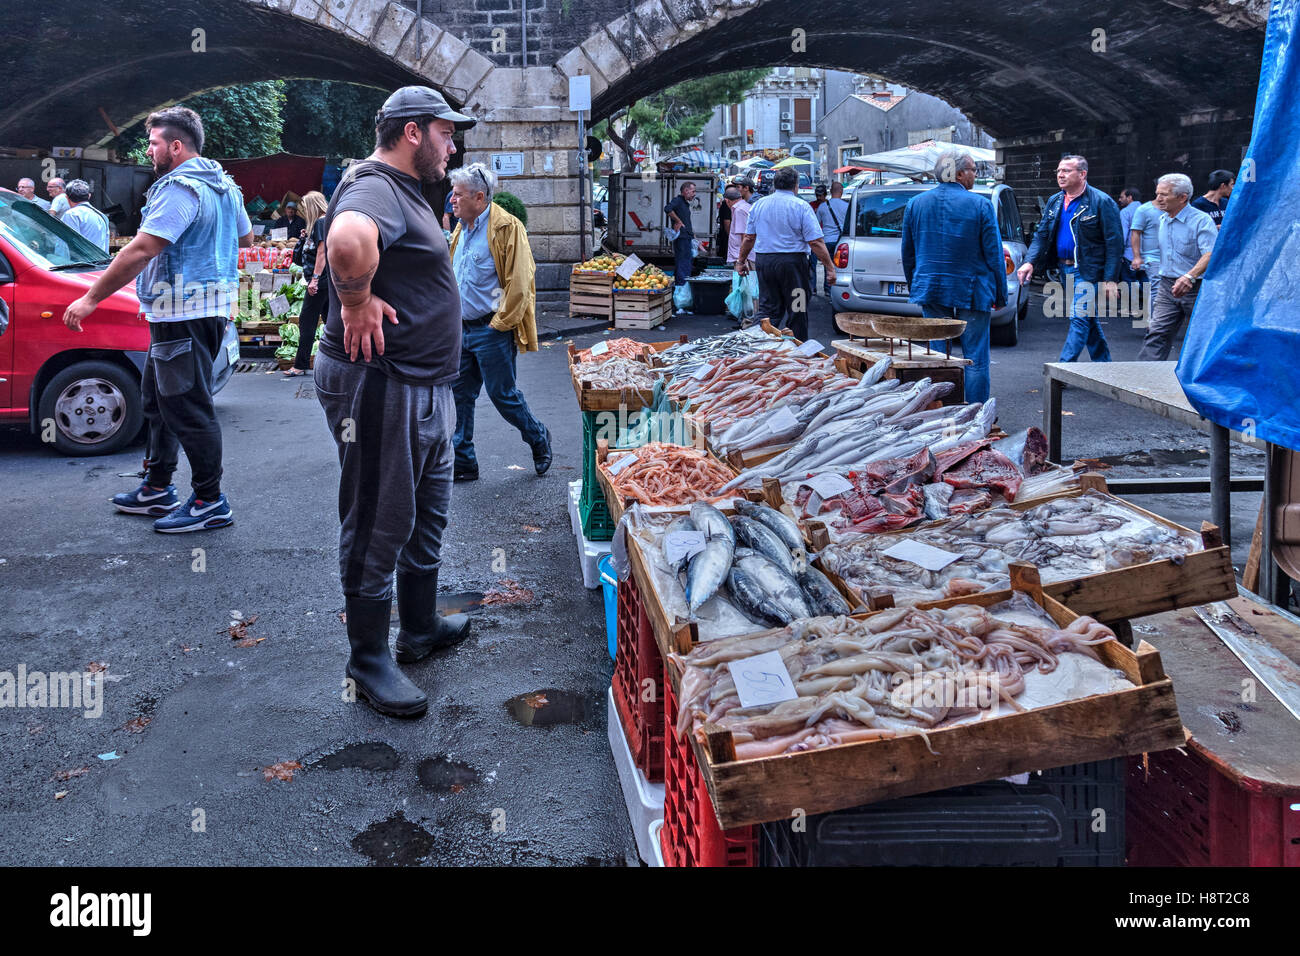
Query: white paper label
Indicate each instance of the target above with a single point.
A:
(282, 233)
(828, 484)
(265, 282)
(679, 545)
(809, 348)
(253, 266)
(703, 370)
(924, 555)
(600, 348)
(756, 332)
(622, 463)
(781, 419)
(762, 680)
(629, 267)
(279, 305)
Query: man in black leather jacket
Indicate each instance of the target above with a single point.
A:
(1080, 234)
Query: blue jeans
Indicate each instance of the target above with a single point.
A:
(683, 259)
(487, 357)
(1085, 329)
(974, 346)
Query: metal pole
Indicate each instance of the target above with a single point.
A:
(1220, 492)
(419, 30)
(523, 33)
(582, 184)
(1266, 577)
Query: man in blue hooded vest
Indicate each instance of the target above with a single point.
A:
(185, 260)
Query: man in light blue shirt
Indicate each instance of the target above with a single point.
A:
(58, 202)
(780, 231)
(1187, 237)
(84, 218)
(27, 189)
(1142, 248)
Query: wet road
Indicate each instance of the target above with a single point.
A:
(511, 764)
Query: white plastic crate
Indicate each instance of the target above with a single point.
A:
(644, 800)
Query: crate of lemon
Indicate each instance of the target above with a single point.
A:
(591, 286)
(643, 301)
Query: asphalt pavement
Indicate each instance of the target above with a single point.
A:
(213, 749)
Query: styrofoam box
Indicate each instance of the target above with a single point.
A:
(589, 553)
(645, 800)
(655, 828)
(575, 493)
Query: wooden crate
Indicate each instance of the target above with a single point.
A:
(1140, 719)
(591, 294)
(641, 310)
(615, 501)
(1112, 597)
(606, 399)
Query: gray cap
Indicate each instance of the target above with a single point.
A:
(413, 101)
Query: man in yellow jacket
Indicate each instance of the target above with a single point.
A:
(494, 272)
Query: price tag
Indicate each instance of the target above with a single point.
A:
(755, 332)
(600, 348)
(762, 680)
(924, 555)
(279, 305)
(265, 282)
(809, 348)
(680, 545)
(702, 371)
(828, 484)
(282, 233)
(622, 463)
(781, 419)
(629, 267)
(253, 266)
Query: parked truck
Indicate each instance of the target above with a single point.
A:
(636, 213)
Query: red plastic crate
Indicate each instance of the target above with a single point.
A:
(637, 661)
(1182, 811)
(691, 835)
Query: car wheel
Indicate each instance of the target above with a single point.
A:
(91, 408)
(1005, 335)
(1024, 307)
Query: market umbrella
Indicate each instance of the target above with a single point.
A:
(848, 169)
(792, 161)
(918, 159)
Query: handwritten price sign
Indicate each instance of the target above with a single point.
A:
(762, 679)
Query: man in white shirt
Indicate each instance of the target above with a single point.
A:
(84, 218)
(58, 202)
(832, 214)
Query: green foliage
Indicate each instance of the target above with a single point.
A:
(513, 205)
(334, 120)
(681, 111)
(238, 121)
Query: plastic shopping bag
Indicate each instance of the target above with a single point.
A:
(682, 299)
(740, 302)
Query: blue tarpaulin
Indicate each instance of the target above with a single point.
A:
(1240, 364)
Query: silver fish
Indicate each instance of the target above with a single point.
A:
(764, 540)
(683, 523)
(779, 586)
(783, 526)
(748, 595)
(712, 522)
(822, 596)
(707, 570)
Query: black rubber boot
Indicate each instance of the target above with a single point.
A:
(424, 630)
(378, 679)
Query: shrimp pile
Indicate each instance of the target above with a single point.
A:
(734, 388)
(664, 474)
(618, 348)
(902, 671)
(617, 372)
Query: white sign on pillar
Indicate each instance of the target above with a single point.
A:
(579, 93)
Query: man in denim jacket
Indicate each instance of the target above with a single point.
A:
(185, 262)
(1080, 233)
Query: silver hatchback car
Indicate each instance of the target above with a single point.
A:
(869, 258)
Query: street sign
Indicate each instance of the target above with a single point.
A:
(579, 93)
(638, 156)
(508, 164)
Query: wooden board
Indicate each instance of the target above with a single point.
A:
(639, 310)
(1109, 596)
(591, 295)
(1140, 719)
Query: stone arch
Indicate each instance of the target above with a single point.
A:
(97, 88)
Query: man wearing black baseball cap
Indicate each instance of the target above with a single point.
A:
(291, 221)
(384, 374)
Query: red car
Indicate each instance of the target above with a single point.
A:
(79, 391)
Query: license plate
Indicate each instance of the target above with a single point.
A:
(232, 352)
(898, 288)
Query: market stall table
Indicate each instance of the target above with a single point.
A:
(1152, 387)
(1228, 798)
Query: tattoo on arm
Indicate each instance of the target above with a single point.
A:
(360, 283)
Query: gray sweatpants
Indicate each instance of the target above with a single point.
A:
(395, 449)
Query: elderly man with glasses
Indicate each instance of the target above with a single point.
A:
(494, 272)
(1187, 235)
(27, 189)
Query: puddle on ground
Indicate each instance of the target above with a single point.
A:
(1158, 458)
(368, 755)
(444, 775)
(394, 842)
(548, 707)
(459, 602)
